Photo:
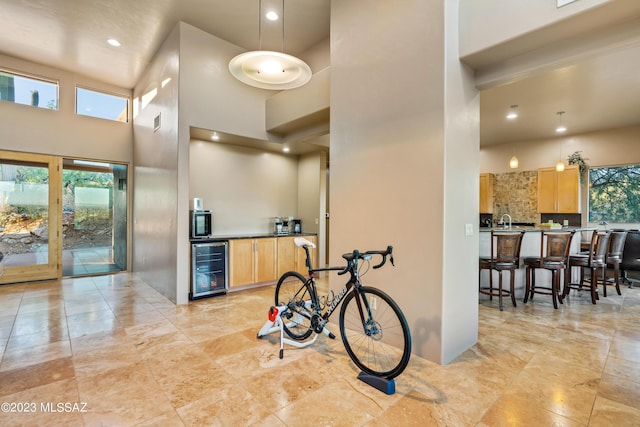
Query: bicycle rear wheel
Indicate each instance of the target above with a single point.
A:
(378, 341)
(293, 291)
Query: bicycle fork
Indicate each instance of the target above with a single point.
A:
(369, 326)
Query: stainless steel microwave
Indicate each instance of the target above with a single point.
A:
(201, 224)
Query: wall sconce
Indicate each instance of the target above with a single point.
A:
(513, 113)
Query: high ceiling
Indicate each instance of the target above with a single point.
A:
(596, 92)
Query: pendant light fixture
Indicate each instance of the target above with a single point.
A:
(266, 69)
(561, 128)
(513, 163)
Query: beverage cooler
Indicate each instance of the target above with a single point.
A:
(208, 269)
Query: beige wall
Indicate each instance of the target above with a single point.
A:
(155, 204)
(312, 196)
(202, 93)
(245, 188)
(488, 23)
(62, 132)
(404, 143)
(604, 148)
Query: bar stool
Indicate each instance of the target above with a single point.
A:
(505, 256)
(553, 257)
(614, 258)
(594, 260)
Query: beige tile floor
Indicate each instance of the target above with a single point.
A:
(112, 351)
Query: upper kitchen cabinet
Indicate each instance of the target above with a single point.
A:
(486, 193)
(559, 192)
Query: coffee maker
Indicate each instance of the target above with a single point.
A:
(295, 226)
(278, 226)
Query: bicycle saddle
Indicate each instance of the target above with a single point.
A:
(301, 241)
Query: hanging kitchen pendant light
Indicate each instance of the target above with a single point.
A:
(266, 69)
(561, 128)
(513, 163)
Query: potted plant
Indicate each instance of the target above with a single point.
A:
(576, 159)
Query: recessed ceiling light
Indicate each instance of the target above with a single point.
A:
(215, 136)
(113, 42)
(271, 15)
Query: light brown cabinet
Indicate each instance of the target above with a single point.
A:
(559, 192)
(486, 193)
(293, 258)
(252, 261)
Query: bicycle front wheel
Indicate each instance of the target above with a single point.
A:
(293, 291)
(375, 332)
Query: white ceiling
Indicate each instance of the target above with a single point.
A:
(596, 91)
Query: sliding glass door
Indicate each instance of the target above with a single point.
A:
(29, 216)
(94, 218)
(61, 217)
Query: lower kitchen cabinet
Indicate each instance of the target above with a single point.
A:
(265, 259)
(293, 258)
(252, 261)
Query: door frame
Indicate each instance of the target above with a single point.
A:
(53, 269)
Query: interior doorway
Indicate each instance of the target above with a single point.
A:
(94, 218)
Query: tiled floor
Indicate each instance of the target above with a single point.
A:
(109, 350)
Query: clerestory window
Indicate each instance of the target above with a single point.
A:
(28, 90)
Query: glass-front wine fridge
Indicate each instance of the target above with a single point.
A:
(208, 269)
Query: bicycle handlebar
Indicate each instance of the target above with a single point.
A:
(356, 254)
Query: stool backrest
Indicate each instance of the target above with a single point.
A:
(602, 246)
(558, 244)
(505, 246)
(616, 244)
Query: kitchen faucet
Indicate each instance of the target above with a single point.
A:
(504, 223)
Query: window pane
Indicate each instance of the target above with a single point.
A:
(101, 105)
(28, 91)
(614, 194)
(24, 213)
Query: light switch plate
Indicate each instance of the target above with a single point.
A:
(468, 229)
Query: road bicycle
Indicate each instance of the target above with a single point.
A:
(374, 330)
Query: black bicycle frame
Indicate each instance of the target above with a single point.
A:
(352, 284)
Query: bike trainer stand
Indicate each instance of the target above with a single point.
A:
(275, 324)
(385, 385)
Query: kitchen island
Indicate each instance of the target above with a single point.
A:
(530, 248)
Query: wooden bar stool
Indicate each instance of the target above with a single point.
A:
(614, 258)
(505, 256)
(554, 253)
(594, 260)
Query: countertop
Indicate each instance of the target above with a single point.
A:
(536, 228)
(219, 238)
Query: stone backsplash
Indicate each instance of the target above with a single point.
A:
(516, 194)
